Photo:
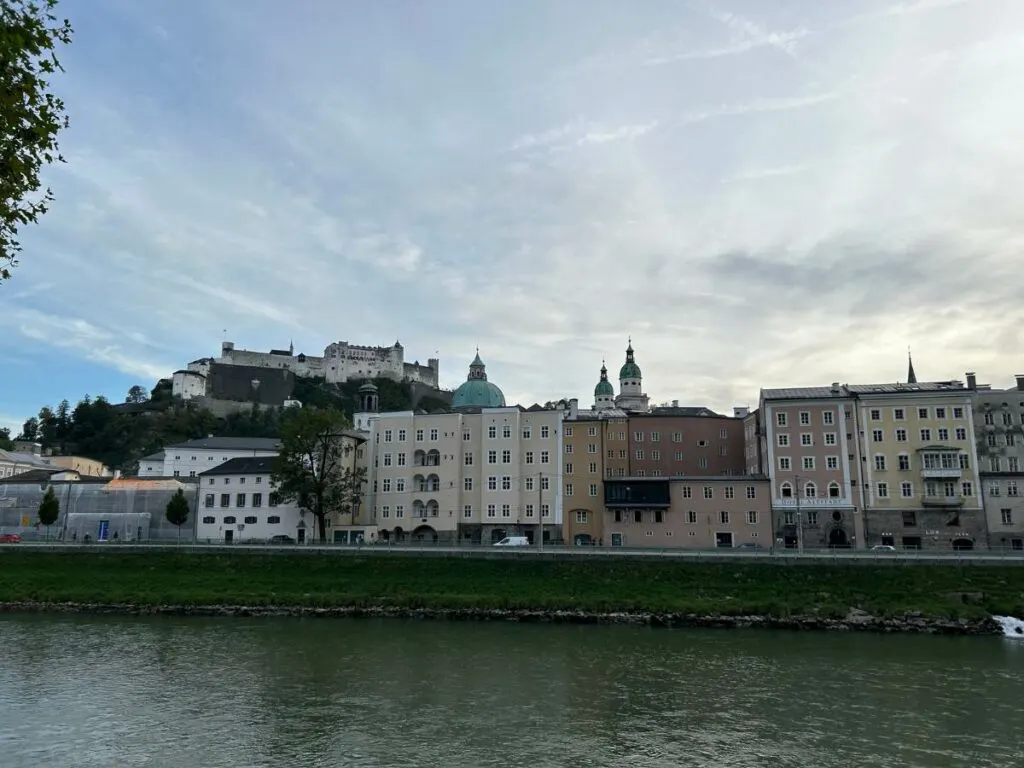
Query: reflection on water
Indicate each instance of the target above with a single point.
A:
(235, 692)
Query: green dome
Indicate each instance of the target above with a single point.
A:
(477, 391)
(604, 388)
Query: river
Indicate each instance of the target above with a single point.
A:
(211, 693)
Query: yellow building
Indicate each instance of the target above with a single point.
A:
(583, 502)
(918, 458)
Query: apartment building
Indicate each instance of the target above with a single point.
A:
(583, 463)
(475, 476)
(919, 463)
(809, 447)
(674, 441)
(998, 416)
(236, 504)
(698, 512)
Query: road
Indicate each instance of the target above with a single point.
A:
(785, 556)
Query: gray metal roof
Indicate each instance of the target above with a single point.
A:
(230, 444)
(803, 393)
(158, 456)
(848, 390)
(243, 465)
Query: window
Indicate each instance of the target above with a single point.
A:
(812, 517)
(989, 419)
(780, 419)
(1011, 439)
(506, 431)
(1014, 463)
(709, 492)
(805, 418)
(687, 492)
(806, 439)
(752, 517)
(467, 510)
(906, 490)
(545, 432)
(638, 437)
(751, 492)
(691, 517)
(225, 500)
(901, 435)
(876, 415)
(922, 413)
(401, 459)
(568, 469)
(433, 434)
(492, 510)
(967, 489)
(387, 435)
(467, 484)
(723, 517)
(808, 462)
(506, 456)
(943, 434)
(783, 440)
(656, 437)
(830, 438)
(786, 491)
(527, 432)
(899, 414)
(1011, 488)
(730, 492)
(568, 448)
(1006, 516)
(994, 464)
(492, 483)
(593, 467)
(656, 455)
(880, 463)
(958, 413)
(506, 510)
(593, 489)
(506, 483)
(401, 435)
(788, 517)
(1007, 419)
(529, 457)
(257, 500)
(545, 483)
(785, 463)
(529, 510)
(876, 435)
(926, 435)
(827, 418)
(581, 516)
(492, 457)
(833, 490)
(591, 447)
(387, 459)
(250, 520)
(961, 433)
(419, 435)
(904, 462)
(883, 490)
(467, 459)
(209, 520)
(208, 500)
(492, 432)
(640, 453)
(940, 413)
(677, 437)
(544, 457)
(545, 510)
(965, 461)
(568, 489)
(385, 485)
(591, 431)
(229, 520)
(702, 462)
(528, 483)
(810, 490)
(466, 434)
(240, 500)
(679, 456)
(832, 462)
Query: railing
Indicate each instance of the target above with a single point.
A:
(942, 501)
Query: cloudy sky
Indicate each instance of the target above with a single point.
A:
(759, 192)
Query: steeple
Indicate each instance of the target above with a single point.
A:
(291, 347)
(911, 376)
(477, 369)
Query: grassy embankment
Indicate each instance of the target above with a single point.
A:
(592, 586)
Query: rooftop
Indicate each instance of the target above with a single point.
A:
(851, 390)
(243, 465)
(32, 477)
(230, 444)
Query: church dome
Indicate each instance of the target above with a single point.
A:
(630, 370)
(477, 391)
(604, 387)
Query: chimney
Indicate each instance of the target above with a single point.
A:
(675, 403)
(972, 380)
(574, 407)
(835, 387)
(1020, 382)
(740, 412)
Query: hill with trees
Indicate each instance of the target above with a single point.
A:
(119, 434)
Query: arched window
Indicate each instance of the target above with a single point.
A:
(433, 483)
(419, 459)
(432, 508)
(833, 490)
(810, 490)
(418, 510)
(786, 490)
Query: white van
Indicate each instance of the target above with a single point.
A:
(513, 541)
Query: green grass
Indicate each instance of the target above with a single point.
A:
(429, 582)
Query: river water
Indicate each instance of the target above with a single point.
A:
(207, 693)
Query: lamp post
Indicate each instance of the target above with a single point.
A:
(799, 516)
(540, 510)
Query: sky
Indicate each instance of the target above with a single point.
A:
(760, 193)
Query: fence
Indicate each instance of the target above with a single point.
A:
(132, 511)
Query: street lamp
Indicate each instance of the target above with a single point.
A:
(799, 516)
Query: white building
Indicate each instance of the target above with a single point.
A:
(478, 474)
(340, 362)
(235, 504)
(192, 458)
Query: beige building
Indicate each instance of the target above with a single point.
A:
(688, 512)
(999, 435)
(84, 466)
(583, 495)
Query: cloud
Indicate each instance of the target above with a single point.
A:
(758, 193)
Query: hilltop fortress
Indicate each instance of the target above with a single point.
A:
(340, 362)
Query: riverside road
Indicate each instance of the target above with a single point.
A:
(782, 556)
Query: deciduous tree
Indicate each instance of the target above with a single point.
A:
(137, 394)
(49, 509)
(30, 116)
(5, 439)
(315, 467)
(177, 511)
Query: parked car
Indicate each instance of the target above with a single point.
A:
(513, 541)
(10, 538)
(883, 548)
(749, 545)
(281, 539)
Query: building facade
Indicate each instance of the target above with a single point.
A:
(999, 437)
(237, 504)
(192, 458)
(669, 442)
(583, 464)
(688, 512)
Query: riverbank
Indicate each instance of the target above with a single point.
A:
(921, 598)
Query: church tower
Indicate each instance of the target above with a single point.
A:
(369, 407)
(631, 396)
(604, 392)
(911, 375)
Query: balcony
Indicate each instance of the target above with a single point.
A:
(942, 474)
(942, 501)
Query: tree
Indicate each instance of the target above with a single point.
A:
(315, 467)
(30, 116)
(49, 509)
(137, 394)
(177, 511)
(5, 439)
(30, 429)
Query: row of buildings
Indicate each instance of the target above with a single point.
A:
(932, 465)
